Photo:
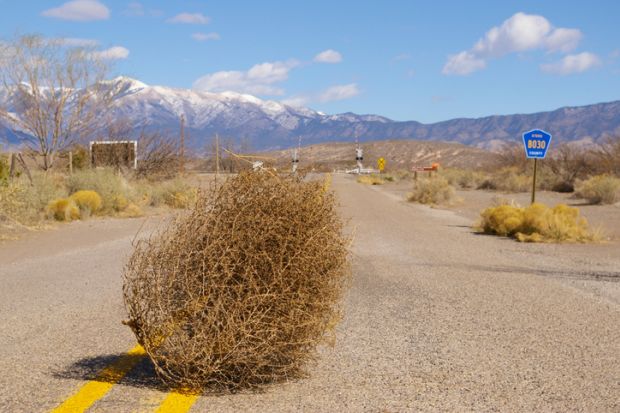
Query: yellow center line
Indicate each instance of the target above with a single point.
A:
(177, 403)
(95, 389)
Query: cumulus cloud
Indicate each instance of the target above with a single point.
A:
(79, 10)
(189, 18)
(328, 56)
(260, 79)
(113, 53)
(519, 33)
(333, 93)
(571, 64)
(203, 37)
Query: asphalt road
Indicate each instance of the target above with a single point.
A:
(437, 319)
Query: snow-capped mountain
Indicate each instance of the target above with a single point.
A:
(269, 124)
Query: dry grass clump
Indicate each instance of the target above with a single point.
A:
(537, 223)
(371, 179)
(600, 189)
(508, 179)
(240, 291)
(89, 202)
(433, 190)
(463, 178)
(63, 209)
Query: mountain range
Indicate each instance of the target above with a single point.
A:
(268, 124)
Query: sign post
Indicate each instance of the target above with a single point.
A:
(536, 142)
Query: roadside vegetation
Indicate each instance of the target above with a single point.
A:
(537, 223)
(432, 191)
(86, 193)
(375, 179)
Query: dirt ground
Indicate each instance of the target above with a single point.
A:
(469, 204)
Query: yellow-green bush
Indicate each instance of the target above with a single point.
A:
(63, 209)
(132, 211)
(600, 189)
(370, 179)
(120, 203)
(87, 201)
(107, 182)
(537, 223)
(433, 190)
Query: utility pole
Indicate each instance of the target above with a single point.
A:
(217, 155)
(182, 148)
(295, 159)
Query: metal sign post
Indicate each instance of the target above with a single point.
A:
(536, 143)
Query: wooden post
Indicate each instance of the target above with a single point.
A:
(13, 161)
(534, 181)
(71, 162)
(415, 176)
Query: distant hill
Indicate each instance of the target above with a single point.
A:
(399, 155)
(273, 125)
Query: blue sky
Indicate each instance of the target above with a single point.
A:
(407, 60)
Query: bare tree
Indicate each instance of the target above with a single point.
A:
(57, 94)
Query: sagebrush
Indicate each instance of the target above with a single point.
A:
(600, 189)
(537, 223)
(433, 190)
(240, 291)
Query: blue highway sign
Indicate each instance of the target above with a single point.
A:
(536, 143)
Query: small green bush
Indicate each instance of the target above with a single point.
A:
(537, 223)
(107, 182)
(433, 190)
(600, 189)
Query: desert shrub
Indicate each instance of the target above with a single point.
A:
(600, 189)
(131, 211)
(63, 209)
(174, 193)
(433, 190)
(462, 178)
(240, 290)
(87, 201)
(107, 182)
(507, 179)
(370, 179)
(4, 169)
(119, 203)
(537, 223)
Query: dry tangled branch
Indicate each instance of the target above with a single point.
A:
(240, 291)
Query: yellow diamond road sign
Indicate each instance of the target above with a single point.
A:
(381, 164)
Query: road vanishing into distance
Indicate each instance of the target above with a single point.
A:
(437, 318)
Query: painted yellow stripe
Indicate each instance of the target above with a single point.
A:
(177, 403)
(97, 388)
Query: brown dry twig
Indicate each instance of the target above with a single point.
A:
(240, 291)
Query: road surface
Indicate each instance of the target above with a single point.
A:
(437, 319)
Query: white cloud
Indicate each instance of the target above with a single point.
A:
(571, 64)
(463, 63)
(519, 33)
(135, 8)
(79, 10)
(328, 56)
(203, 37)
(190, 18)
(333, 93)
(339, 92)
(78, 42)
(113, 53)
(260, 79)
